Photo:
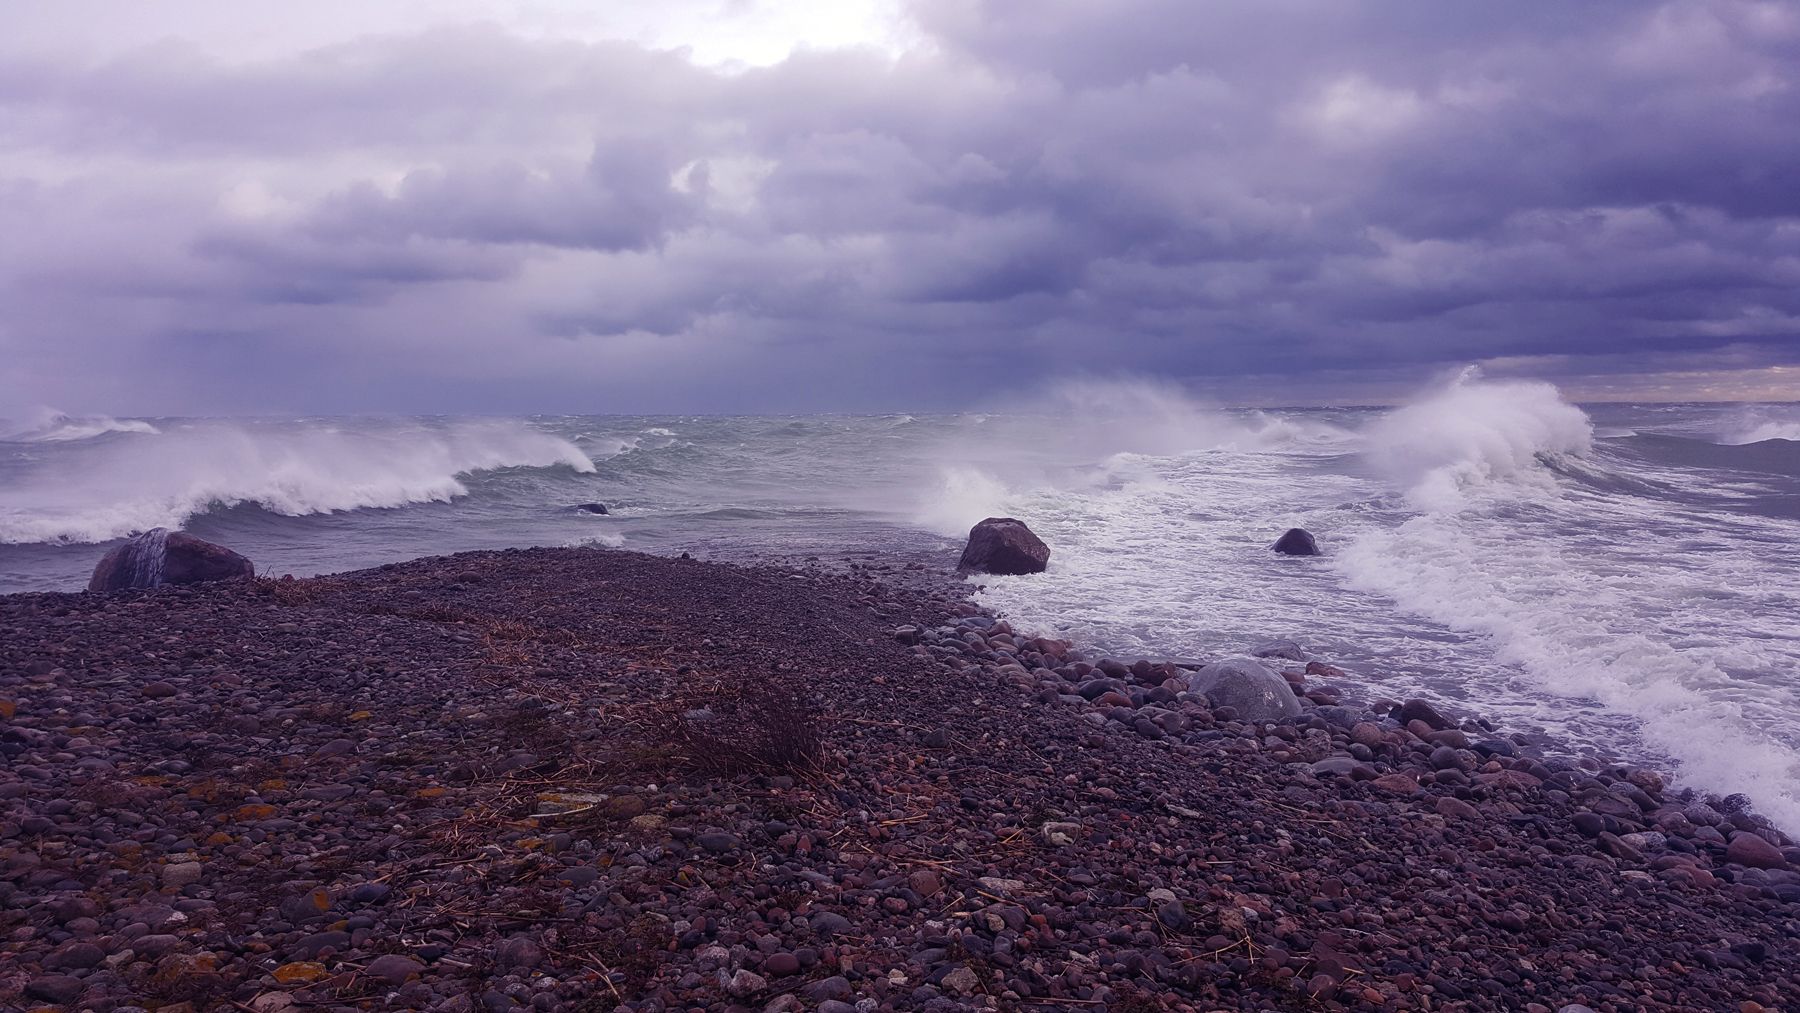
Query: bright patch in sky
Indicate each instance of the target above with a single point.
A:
(715, 32)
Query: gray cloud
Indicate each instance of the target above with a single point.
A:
(464, 218)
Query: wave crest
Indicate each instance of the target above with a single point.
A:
(1761, 423)
(48, 425)
(1474, 432)
(109, 492)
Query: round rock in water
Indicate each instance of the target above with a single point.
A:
(1296, 542)
(591, 508)
(1004, 546)
(160, 556)
(1256, 691)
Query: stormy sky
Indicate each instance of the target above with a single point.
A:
(720, 205)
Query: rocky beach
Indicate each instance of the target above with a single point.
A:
(592, 779)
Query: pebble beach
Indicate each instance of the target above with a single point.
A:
(590, 779)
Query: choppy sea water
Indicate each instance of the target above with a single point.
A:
(1621, 577)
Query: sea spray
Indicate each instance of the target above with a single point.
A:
(112, 491)
(1473, 431)
(1629, 596)
(1568, 572)
(1088, 435)
(48, 425)
(149, 557)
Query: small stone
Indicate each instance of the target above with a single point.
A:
(781, 963)
(925, 883)
(717, 841)
(182, 874)
(75, 956)
(1419, 710)
(1455, 808)
(1588, 824)
(1399, 784)
(834, 987)
(519, 952)
(962, 981)
(746, 983)
(370, 893)
(157, 690)
(57, 988)
(300, 972)
(1748, 849)
(393, 968)
(830, 923)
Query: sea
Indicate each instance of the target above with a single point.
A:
(1621, 579)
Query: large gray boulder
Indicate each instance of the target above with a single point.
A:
(1005, 546)
(1256, 691)
(160, 556)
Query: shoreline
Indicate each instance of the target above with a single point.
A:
(479, 774)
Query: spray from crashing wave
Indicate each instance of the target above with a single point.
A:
(111, 491)
(1570, 583)
(1094, 434)
(1761, 423)
(149, 554)
(1472, 432)
(47, 425)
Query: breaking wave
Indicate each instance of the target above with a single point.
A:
(111, 491)
(52, 426)
(1473, 432)
(1763, 422)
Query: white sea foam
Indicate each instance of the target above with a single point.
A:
(109, 491)
(1473, 432)
(966, 496)
(1527, 590)
(1084, 435)
(1762, 422)
(47, 425)
(1584, 604)
(603, 540)
(1573, 588)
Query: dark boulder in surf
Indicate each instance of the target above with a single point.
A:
(1296, 542)
(1004, 546)
(160, 556)
(591, 508)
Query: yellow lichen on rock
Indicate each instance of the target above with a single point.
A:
(301, 972)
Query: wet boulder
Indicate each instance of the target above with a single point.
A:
(1005, 546)
(1285, 649)
(590, 508)
(1253, 689)
(1296, 542)
(160, 556)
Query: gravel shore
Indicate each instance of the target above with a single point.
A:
(588, 779)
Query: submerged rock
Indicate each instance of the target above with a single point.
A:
(591, 508)
(1285, 649)
(160, 556)
(1005, 546)
(1296, 542)
(1253, 689)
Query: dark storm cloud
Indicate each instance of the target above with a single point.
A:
(1207, 191)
